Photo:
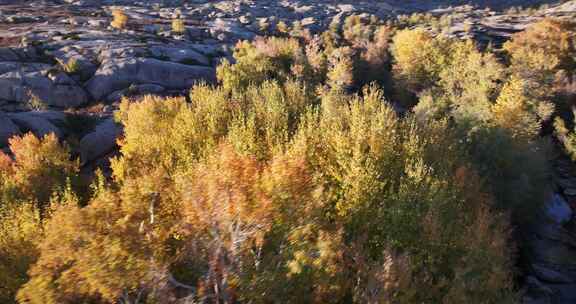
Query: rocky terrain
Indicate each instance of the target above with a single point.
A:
(63, 69)
(547, 256)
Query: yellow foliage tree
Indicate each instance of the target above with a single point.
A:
(40, 167)
(552, 37)
(514, 112)
(470, 81)
(231, 204)
(419, 58)
(112, 250)
(178, 26)
(20, 233)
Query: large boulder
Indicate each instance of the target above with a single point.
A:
(135, 90)
(99, 142)
(7, 54)
(180, 55)
(117, 74)
(7, 129)
(39, 123)
(52, 88)
(229, 30)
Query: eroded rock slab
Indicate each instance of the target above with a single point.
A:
(118, 74)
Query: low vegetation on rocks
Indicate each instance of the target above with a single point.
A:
(120, 19)
(372, 163)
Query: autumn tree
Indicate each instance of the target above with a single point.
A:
(20, 233)
(235, 208)
(375, 58)
(517, 112)
(39, 168)
(114, 249)
(418, 59)
(31, 179)
(552, 38)
(265, 59)
(281, 184)
(566, 136)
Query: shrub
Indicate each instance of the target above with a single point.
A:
(178, 26)
(282, 27)
(120, 19)
(72, 66)
(34, 103)
(566, 137)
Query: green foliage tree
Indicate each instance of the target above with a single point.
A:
(498, 125)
